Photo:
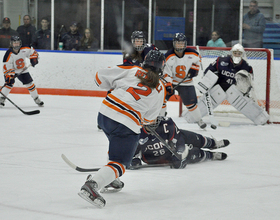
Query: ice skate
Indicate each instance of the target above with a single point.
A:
(39, 102)
(2, 102)
(220, 144)
(219, 156)
(114, 186)
(201, 124)
(89, 193)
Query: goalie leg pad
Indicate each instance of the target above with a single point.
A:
(207, 81)
(246, 106)
(217, 96)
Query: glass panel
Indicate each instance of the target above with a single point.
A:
(217, 15)
(170, 19)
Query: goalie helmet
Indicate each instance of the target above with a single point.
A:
(154, 60)
(138, 40)
(237, 53)
(15, 39)
(179, 42)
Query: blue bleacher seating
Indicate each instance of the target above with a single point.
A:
(271, 38)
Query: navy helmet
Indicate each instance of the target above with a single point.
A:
(15, 39)
(179, 37)
(155, 60)
(138, 35)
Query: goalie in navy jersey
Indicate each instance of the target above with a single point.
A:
(151, 151)
(231, 78)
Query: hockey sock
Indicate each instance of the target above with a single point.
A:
(32, 90)
(209, 143)
(108, 174)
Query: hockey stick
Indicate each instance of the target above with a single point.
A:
(213, 121)
(80, 169)
(24, 112)
(171, 148)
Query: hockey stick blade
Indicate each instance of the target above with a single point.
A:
(80, 169)
(24, 112)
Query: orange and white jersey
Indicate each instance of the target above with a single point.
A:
(16, 62)
(178, 68)
(130, 102)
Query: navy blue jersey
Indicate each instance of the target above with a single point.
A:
(226, 70)
(152, 150)
(134, 59)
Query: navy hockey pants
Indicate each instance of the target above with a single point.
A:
(122, 141)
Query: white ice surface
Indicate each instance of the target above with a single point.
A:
(37, 184)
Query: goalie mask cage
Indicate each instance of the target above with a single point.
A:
(266, 84)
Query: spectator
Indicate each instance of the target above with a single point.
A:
(26, 31)
(6, 32)
(216, 41)
(42, 38)
(253, 27)
(89, 42)
(72, 39)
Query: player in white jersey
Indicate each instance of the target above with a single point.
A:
(15, 66)
(182, 64)
(136, 98)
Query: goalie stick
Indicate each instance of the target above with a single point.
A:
(213, 121)
(24, 112)
(81, 169)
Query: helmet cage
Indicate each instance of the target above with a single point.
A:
(138, 35)
(237, 48)
(15, 39)
(179, 37)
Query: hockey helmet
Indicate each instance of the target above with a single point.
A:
(237, 53)
(15, 39)
(138, 37)
(155, 60)
(179, 37)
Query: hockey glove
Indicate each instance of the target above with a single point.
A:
(136, 162)
(170, 90)
(178, 164)
(34, 61)
(10, 76)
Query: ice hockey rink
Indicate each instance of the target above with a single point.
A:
(37, 184)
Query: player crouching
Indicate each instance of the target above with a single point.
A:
(15, 67)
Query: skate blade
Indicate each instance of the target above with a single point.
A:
(97, 202)
(110, 190)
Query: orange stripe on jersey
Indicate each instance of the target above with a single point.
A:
(129, 67)
(171, 55)
(191, 53)
(123, 108)
(195, 67)
(97, 79)
(9, 56)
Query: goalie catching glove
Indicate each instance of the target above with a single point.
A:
(244, 81)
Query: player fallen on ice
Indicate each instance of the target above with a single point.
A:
(15, 66)
(231, 78)
(151, 151)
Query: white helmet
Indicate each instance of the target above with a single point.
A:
(237, 57)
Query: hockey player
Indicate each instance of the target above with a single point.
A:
(139, 51)
(151, 151)
(15, 66)
(182, 64)
(230, 78)
(135, 100)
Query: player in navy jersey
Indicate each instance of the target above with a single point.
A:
(230, 78)
(151, 151)
(182, 65)
(15, 66)
(139, 51)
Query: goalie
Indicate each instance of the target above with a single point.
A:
(231, 78)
